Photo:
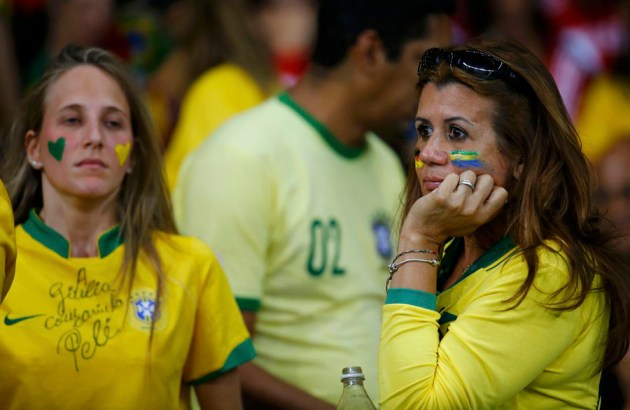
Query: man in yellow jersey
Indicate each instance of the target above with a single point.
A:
(298, 197)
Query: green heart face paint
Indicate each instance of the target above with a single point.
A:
(56, 148)
(466, 159)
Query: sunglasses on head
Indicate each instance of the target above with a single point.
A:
(481, 65)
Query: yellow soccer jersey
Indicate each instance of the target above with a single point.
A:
(601, 122)
(464, 350)
(7, 243)
(71, 338)
(216, 96)
(302, 225)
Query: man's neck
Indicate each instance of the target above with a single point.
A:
(330, 101)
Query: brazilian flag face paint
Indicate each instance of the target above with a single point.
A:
(466, 159)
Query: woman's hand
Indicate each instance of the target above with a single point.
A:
(460, 205)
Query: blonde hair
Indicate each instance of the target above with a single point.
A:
(143, 205)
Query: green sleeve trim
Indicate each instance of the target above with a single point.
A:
(242, 353)
(412, 297)
(248, 304)
(330, 139)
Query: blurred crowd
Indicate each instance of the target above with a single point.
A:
(162, 40)
(171, 43)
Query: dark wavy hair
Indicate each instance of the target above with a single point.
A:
(552, 198)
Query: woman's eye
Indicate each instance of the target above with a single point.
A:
(113, 124)
(72, 120)
(424, 131)
(456, 134)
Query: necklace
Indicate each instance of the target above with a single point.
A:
(453, 277)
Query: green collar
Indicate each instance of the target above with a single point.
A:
(108, 241)
(456, 247)
(329, 138)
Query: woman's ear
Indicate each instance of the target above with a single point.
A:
(31, 143)
(518, 169)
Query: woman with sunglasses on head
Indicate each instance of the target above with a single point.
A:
(506, 292)
(110, 308)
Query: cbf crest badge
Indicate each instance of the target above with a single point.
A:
(145, 310)
(381, 230)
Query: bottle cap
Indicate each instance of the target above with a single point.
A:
(352, 372)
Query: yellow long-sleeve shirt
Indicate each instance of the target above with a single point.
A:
(462, 349)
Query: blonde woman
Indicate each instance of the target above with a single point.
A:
(110, 308)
